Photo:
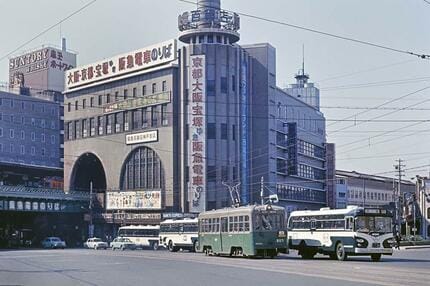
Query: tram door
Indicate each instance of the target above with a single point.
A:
(224, 234)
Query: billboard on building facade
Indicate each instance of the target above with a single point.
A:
(143, 137)
(197, 134)
(122, 64)
(133, 200)
(139, 102)
(41, 69)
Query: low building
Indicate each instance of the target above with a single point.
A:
(353, 188)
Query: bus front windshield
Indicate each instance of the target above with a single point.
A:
(369, 224)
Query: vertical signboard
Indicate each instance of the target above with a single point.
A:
(244, 127)
(197, 134)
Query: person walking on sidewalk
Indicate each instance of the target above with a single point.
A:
(398, 240)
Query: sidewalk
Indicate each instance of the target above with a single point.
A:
(414, 247)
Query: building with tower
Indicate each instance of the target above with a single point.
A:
(163, 130)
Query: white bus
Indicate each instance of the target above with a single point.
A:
(141, 235)
(177, 234)
(341, 232)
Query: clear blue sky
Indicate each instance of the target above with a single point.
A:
(110, 27)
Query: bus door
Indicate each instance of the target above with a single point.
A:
(224, 239)
(349, 223)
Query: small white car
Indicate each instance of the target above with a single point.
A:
(96, 243)
(53, 242)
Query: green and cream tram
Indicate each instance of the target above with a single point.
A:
(243, 231)
(341, 232)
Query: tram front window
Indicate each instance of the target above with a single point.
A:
(373, 224)
(268, 221)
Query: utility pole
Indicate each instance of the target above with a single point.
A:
(262, 190)
(364, 192)
(398, 167)
(91, 227)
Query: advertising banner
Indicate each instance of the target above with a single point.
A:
(143, 137)
(123, 64)
(197, 134)
(133, 200)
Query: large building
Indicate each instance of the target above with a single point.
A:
(164, 130)
(32, 200)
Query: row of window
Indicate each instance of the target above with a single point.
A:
(316, 223)
(296, 193)
(310, 172)
(310, 149)
(305, 122)
(28, 106)
(22, 150)
(33, 135)
(212, 134)
(179, 228)
(108, 98)
(211, 173)
(359, 194)
(42, 123)
(225, 224)
(148, 117)
(138, 232)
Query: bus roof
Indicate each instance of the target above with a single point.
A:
(327, 211)
(140, 227)
(185, 220)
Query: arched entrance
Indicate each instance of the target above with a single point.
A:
(142, 169)
(88, 168)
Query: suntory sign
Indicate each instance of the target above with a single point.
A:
(123, 64)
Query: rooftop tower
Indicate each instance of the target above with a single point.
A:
(209, 24)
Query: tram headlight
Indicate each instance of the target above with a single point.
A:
(282, 234)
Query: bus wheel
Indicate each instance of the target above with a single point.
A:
(171, 247)
(195, 246)
(340, 252)
(376, 257)
(155, 245)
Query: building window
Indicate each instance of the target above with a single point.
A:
(118, 121)
(164, 120)
(22, 150)
(33, 151)
(211, 174)
(211, 87)
(224, 131)
(33, 122)
(84, 128)
(144, 118)
(42, 137)
(116, 96)
(43, 123)
(144, 90)
(164, 85)
(1, 145)
(22, 135)
(52, 124)
(224, 173)
(11, 149)
(92, 127)
(69, 107)
(100, 125)
(43, 152)
(78, 129)
(100, 100)
(1, 132)
(428, 213)
(92, 102)
(233, 83)
(233, 132)
(1, 116)
(154, 88)
(125, 94)
(109, 123)
(33, 136)
(76, 105)
(210, 39)
(32, 107)
(126, 121)
(211, 132)
(108, 98)
(11, 103)
(134, 92)
(11, 133)
(84, 103)
(154, 116)
(224, 85)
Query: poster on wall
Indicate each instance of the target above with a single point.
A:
(134, 200)
(197, 134)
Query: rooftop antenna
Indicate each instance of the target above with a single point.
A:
(303, 63)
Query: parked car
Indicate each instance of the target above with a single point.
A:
(122, 243)
(96, 243)
(53, 242)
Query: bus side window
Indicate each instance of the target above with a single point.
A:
(349, 223)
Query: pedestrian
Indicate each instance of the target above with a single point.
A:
(397, 240)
